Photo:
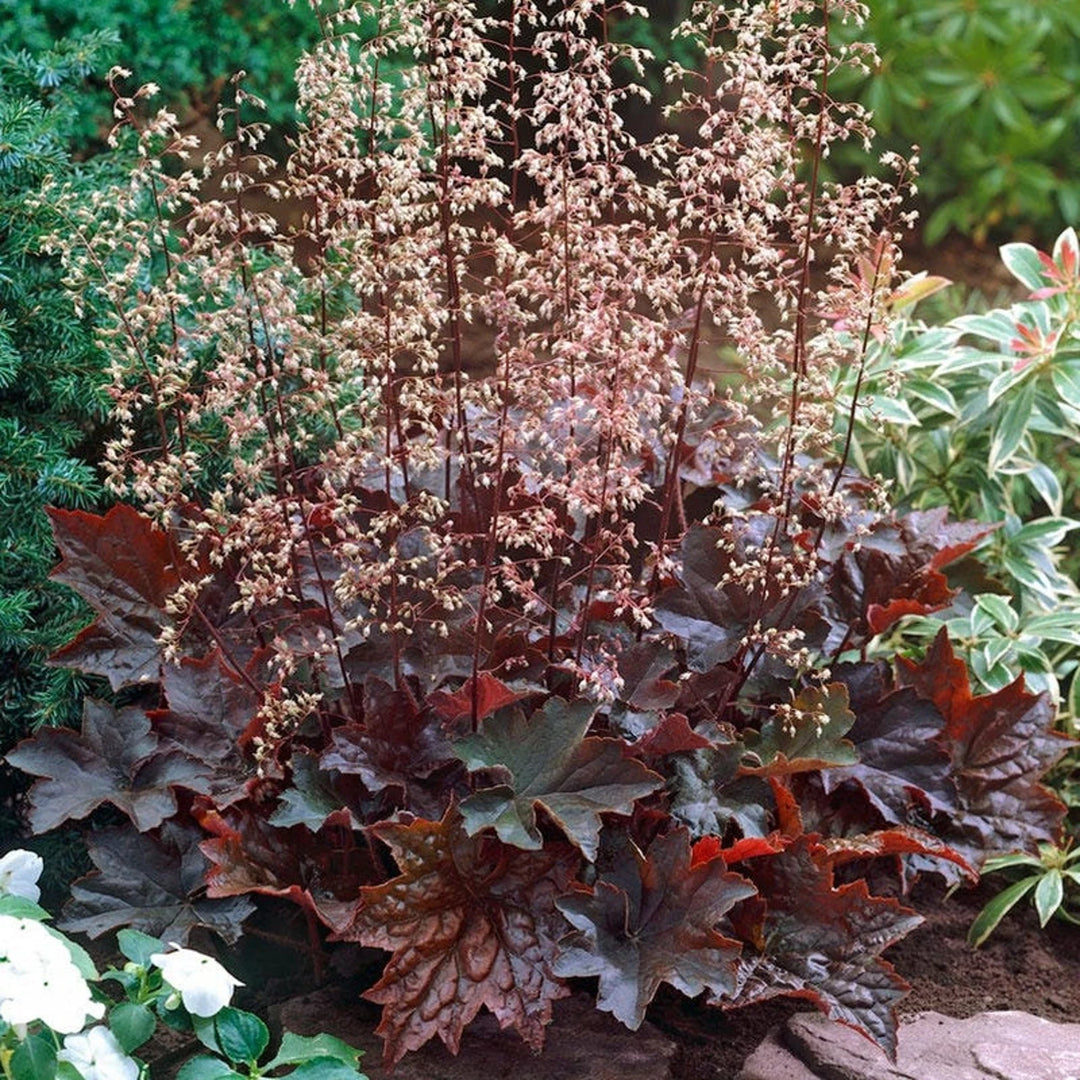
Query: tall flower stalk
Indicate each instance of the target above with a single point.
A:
(492, 507)
(475, 392)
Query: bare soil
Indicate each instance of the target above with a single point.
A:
(1019, 967)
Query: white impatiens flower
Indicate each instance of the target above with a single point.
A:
(98, 1056)
(204, 985)
(19, 872)
(39, 980)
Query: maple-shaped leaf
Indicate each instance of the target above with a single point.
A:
(397, 744)
(672, 735)
(311, 798)
(122, 566)
(209, 708)
(708, 792)
(808, 735)
(895, 570)
(821, 941)
(1001, 745)
(697, 610)
(655, 923)
(711, 614)
(250, 855)
(903, 767)
(490, 696)
(642, 668)
(551, 763)
(154, 884)
(471, 923)
(116, 758)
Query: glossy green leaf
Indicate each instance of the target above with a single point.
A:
(934, 394)
(325, 1068)
(1022, 261)
(1045, 530)
(18, 907)
(205, 1067)
(999, 609)
(1065, 376)
(1006, 862)
(239, 1036)
(1004, 382)
(1011, 429)
(138, 947)
(892, 410)
(1048, 895)
(998, 326)
(132, 1024)
(296, 1048)
(987, 920)
(1043, 479)
(1061, 627)
(34, 1059)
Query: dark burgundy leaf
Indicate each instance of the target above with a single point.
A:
(209, 709)
(471, 923)
(903, 767)
(551, 763)
(697, 611)
(116, 759)
(660, 928)
(122, 566)
(248, 854)
(395, 747)
(896, 570)
(821, 942)
(642, 668)
(1001, 745)
(154, 884)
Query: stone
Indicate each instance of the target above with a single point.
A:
(772, 1060)
(989, 1046)
(582, 1044)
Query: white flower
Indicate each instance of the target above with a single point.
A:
(39, 980)
(98, 1056)
(19, 871)
(205, 986)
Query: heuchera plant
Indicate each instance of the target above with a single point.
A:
(492, 586)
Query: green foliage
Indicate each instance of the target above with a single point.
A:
(979, 416)
(1048, 875)
(986, 91)
(188, 49)
(52, 404)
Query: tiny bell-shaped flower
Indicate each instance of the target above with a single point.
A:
(204, 985)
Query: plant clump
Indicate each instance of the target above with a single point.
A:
(489, 581)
